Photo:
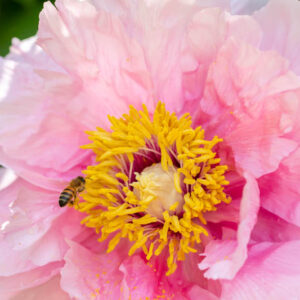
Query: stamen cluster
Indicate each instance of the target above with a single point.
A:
(135, 142)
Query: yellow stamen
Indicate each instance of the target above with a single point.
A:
(154, 179)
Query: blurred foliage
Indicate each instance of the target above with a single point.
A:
(18, 18)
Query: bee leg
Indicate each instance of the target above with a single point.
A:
(76, 202)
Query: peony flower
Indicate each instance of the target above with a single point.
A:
(183, 119)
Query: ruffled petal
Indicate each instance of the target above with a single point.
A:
(197, 293)
(272, 271)
(250, 92)
(35, 231)
(206, 33)
(91, 56)
(280, 191)
(280, 23)
(224, 258)
(192, 277)
(11, 286)
(114, 54)
(86, 275)
(147, 279)
(123, 46)
(34, 135)
(50, 288)
(271, 228)
(96, 58)
(139, 279)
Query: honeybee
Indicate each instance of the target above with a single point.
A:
(69, 194)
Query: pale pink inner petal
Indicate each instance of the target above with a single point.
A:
(224, 258)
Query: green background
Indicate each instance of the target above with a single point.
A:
(18, 18)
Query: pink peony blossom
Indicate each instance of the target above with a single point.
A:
(238, 78)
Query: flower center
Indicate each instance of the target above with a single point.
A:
(153, 180)
(158, 185)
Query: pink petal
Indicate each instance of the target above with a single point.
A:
(116, 48)
(33, 136)
(110, 276)
(87, 275)
(224, 258)
(91, 58)
(271, 228)
(282, 35)
(229, 213)
(142, 280)
(271, 272)
(96, 58)
(197, 293)
(12, 285)
(225, 212)
(189, 273)
(119, 50)
(280, 190)
(250, 92)
(35, 232)
(206, 33)
(39, 176)
(139, 279)
(99, 50)
(51, 289)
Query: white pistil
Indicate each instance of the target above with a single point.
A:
(158, 186)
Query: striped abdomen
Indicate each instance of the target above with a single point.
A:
(67, 195)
